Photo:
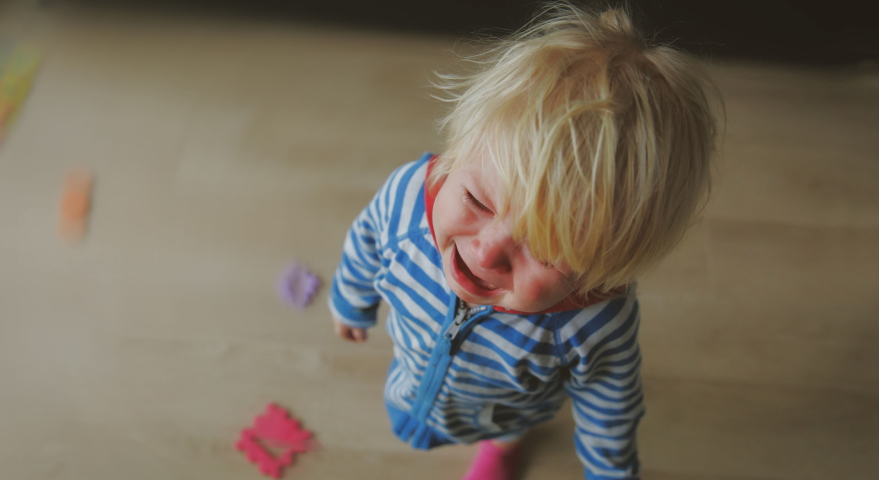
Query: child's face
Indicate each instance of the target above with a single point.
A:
(482, 263)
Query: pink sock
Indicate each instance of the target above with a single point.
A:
(493, 463)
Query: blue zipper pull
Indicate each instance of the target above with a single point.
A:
(462, 313)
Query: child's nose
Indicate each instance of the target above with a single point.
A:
(491, 250)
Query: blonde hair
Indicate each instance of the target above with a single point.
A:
(602, 140)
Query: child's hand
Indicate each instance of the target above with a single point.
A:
(352, 334)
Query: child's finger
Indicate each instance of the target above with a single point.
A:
(359, 334)
(348, 333)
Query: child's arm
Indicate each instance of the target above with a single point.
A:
(605, 389)
(353, 298)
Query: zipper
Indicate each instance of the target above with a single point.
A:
(441, 357)
(462, 314)
(461, 326)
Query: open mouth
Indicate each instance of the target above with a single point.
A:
(468, 281)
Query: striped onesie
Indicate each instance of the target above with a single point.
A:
(462, 374)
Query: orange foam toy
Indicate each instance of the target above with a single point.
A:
(76, 203)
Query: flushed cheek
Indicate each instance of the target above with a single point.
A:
(451, 226)
(532, 295)
(441, 226)
(445, 233)
(541, 292)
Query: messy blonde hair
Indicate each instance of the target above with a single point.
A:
(601, 140)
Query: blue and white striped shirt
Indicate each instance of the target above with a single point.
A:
(462, 375)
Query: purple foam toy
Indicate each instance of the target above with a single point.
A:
(297, 286)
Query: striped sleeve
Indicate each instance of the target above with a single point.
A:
(601, 350)
(353, 297)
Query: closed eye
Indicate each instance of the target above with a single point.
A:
(469, 198)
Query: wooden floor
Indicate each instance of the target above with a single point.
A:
(224, 150)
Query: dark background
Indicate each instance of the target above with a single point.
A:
(800, 32)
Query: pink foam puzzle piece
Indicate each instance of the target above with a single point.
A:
(268, 464)
(274, 428)
(278, 429)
